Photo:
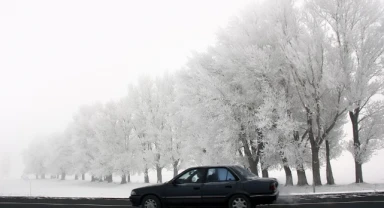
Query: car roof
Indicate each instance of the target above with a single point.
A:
(214, 166)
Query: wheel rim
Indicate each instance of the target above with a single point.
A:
(150, 203)
(239, 203)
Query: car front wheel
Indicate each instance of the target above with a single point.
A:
(150, 202)
(239, 201)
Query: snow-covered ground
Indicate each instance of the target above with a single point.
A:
(349, 188)
(67, 188)
(72, 188)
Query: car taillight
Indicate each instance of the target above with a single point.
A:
(272, 187)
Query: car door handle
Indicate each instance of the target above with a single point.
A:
(196, 188)
(229, 186)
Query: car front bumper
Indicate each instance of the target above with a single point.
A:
(135, 200)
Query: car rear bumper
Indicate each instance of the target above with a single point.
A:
(264, 198)
(135, 200)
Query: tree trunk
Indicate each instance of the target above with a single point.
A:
(123, 179)
(93, 179)
(129, 177)
(109, 178)
(76, 177)
(37, 176)
(287, 170)
(258, 151)
(265, 173)
(316, 165)
(264, 169)
(247, 151)
(83, 176)
(252, 163)
(359, 172)
(315, 152)
(43, 176)
(146, 176)
(175, 168)
(159, 174)
(301, 176)
(253, 166)
(63, 176)
(354, 116)
(330, 179)
(288, 176)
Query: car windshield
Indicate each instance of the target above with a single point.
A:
(245, 172)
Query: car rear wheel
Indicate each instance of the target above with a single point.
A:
(151, 202)
(239, 201)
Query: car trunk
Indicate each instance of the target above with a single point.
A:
(260, 186)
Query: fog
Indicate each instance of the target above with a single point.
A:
(58, 55)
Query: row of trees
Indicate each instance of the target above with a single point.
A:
(274, 92)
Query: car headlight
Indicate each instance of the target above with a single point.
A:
(133, 193)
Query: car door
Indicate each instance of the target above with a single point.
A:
(186, 189)
(219, 184)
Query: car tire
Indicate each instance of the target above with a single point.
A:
(239, 201)
(150, 201)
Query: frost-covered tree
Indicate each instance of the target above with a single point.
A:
(233, 82)
(106, 140)
(83, 135)
(36, 157)
(356, 29)
(178, 136)
(142, 124)
(61, 160)
(370, 133)
(123, 162)
(168, 125)
(312, 68)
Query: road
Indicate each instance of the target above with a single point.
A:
(350, 200)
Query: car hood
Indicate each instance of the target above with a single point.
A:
(150, 186)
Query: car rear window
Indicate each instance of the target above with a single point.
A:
(244, 172)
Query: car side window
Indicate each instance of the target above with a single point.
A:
(192, 176)
(219, 175)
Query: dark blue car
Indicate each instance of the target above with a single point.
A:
(231, 186)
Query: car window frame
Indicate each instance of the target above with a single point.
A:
(174, 181)
(226, 181)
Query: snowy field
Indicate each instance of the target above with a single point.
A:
(72, 188)
(343, 173)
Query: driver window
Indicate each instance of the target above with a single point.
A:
(192, 176)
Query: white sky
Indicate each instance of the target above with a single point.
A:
(56, 55)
